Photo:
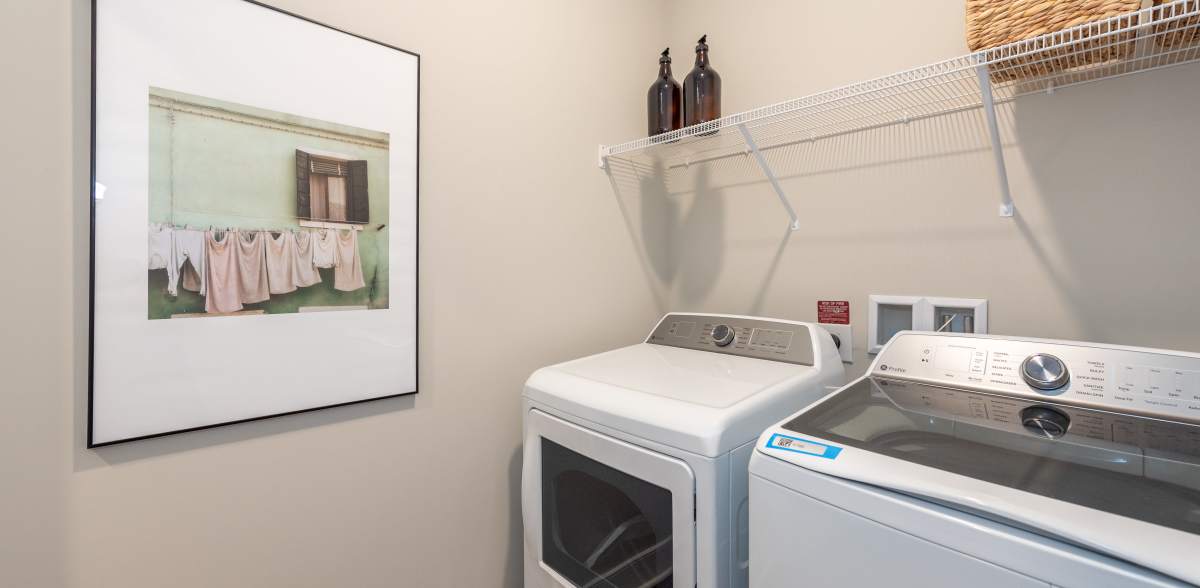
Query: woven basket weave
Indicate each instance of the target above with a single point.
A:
(991, 23)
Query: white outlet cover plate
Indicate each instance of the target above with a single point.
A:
(844, 334)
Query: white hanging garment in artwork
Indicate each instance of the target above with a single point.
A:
(324, 248)
(161, 239)
(188, 247)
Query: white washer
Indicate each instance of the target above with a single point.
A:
(987, 461)
(635, 460)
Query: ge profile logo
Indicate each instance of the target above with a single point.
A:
(883, 367)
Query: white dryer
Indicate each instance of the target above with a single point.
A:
(635, 460)
(965, 460)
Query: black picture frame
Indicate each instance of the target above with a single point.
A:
(91, 444)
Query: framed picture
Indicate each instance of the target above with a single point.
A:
(254, 217)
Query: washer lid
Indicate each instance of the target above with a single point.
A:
(694, 400)
(1137, 478)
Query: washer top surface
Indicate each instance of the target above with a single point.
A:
(1052, 436)
(690, 392)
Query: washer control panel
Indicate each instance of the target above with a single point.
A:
(1149, 382)
(735, 335)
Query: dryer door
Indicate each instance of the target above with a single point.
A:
(600, 512)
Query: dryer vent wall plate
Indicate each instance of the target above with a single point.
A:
(843, 336)
(958, 315)
(888, 315)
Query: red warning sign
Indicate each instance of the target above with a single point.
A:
(833, 312)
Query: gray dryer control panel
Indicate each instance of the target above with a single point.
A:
(758, 338)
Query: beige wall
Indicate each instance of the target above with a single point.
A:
(1104, 177)
(525, 260)
(518, 225)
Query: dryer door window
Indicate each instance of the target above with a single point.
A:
(601, 512)
(603, 527)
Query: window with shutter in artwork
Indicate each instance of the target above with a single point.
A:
(329, 189)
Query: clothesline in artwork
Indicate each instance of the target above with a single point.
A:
(233, 267)
(306, 221)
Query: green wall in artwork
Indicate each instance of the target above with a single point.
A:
(218, 164)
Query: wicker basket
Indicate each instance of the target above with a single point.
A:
(991, 23)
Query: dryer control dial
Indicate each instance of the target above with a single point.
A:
(1045, 372)
(722, 335)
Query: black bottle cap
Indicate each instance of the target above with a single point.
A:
(666, 56)
(702, 44)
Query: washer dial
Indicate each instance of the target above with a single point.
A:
(1045, 372)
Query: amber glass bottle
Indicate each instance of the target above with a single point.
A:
(664, 100)
(701, 89)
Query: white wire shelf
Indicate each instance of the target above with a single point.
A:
(1144, 40)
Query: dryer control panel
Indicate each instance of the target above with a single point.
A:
(737, 335)
(1151, 382)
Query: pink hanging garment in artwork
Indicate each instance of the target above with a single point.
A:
(252, 265)
(347, 271)
(306, 271)
(281, 262)
(222, 278)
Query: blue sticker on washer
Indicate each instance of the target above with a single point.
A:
(805, 446)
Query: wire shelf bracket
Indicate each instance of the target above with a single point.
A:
(989, 113)
(1152, 38)
(766, 168)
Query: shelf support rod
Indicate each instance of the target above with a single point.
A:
(989, 112)
(766, 168)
